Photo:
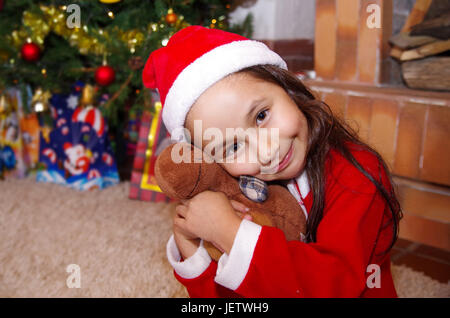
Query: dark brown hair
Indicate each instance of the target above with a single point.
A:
(326, 132)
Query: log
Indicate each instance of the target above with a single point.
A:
(425, 50)
(417, 14)
(436, 9)
(406, 41)
(438, 27)
(431, 73)
(396, 52)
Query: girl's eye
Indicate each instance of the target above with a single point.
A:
(233, 148)
(261, 116)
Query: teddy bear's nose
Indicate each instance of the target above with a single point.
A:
(253, 188)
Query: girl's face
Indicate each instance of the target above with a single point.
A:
(242, 101)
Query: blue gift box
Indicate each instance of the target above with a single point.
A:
(76, 152)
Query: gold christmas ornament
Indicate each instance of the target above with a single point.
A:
(3, 56)
(87, 96)
(39, 101)
(109, 1)
(4, 105)
(38, 27)
(46, 130)
(152, 27)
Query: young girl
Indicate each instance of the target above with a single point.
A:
(343, 185)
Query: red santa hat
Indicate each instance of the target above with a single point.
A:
(194, 59)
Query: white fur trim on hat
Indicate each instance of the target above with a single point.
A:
(207, 70)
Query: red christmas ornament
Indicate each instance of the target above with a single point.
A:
(104, 75)
(30, 52)
(171, 17)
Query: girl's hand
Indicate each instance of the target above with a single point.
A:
(210, 216)
(187, 245)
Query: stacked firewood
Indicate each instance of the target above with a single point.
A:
(423, 46)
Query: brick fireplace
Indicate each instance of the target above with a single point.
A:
(410, 128)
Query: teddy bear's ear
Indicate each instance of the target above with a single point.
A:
(176, 179)
(253, 188)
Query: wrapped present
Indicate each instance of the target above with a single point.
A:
(11, 143)
(132, 132)
(153, 138)
(29, 127)
(76, 151)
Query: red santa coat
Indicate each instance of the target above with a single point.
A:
(345, 261)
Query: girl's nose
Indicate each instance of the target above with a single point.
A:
(264, 156)
(268, 150)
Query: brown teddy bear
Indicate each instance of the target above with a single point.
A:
(195, 174)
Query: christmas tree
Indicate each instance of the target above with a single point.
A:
(48, 46)
(52, 44)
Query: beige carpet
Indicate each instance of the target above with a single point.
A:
(119, 245)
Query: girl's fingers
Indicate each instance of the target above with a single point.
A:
(180, 227)
(242, 210)
(219, 248)
(245, 216)
(180, 223)
(239, 206)
(181, 210)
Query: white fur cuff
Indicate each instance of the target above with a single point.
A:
(233, 268)
(191, 267)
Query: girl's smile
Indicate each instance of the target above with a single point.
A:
(286, 160)
(242, 101)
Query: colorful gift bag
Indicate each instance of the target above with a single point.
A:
(153, 138)
(76, 151)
